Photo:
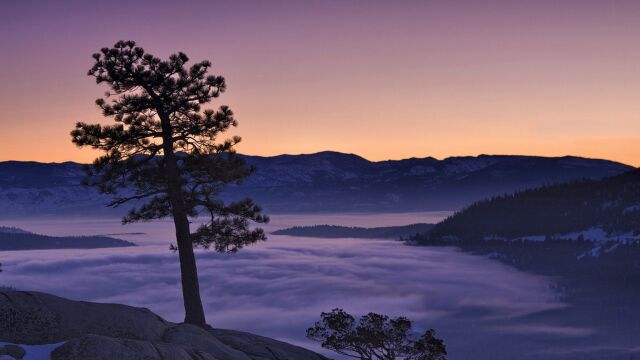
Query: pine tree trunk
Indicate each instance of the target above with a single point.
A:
(194, 313)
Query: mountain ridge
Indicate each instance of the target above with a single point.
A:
(321, 182)
(589, 209)
(13, 238)
(332, 152)
(336, 231)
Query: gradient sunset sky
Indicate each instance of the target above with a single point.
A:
(382, 79)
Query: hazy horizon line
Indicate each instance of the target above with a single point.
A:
(370, 160)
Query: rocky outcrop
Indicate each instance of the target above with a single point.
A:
(13, 351)
(112, 331)
(98, 347)
(200, 339)
(37, 318)
(263, 348)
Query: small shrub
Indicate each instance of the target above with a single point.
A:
(375, 337)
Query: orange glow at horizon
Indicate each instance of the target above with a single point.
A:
(385, 82)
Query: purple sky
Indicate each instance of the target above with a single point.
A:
(384, 79)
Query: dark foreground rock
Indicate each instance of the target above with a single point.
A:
(98, 347)
(200, 339)
(36, 318)
(262, 348)
(113, 331)
(13, 351)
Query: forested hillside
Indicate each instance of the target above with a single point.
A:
(334, 231)
(611, 205)
(12, 238)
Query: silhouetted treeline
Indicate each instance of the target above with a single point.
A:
(12, 230)
(334, 231)
(612, 204)
(29, 241)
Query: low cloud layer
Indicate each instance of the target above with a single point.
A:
(280, 287)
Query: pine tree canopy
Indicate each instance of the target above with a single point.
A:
(163, 135)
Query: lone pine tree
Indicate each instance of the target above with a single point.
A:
(162, 154)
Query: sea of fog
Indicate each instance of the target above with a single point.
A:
(483, 309)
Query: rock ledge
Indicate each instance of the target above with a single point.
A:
(109, 331)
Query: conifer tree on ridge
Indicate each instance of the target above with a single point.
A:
(162, 153)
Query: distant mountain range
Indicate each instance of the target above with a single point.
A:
(321, 182)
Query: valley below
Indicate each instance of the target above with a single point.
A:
(484, 306)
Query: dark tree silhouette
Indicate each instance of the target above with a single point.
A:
(552, 210)
(162, 153)
(375, 337)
